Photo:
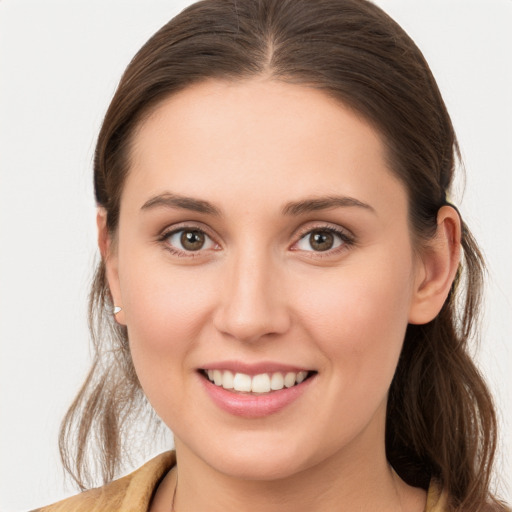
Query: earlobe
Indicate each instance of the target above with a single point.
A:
(437, 268)
(109, 256)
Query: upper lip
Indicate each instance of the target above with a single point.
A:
(254, 368)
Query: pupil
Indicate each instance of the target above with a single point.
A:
(321, 240)
(192, 240)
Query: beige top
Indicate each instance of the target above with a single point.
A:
(133, 492)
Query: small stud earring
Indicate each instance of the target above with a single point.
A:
(117, 309)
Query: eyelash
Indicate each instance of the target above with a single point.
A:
(347, 240)
(164, 237)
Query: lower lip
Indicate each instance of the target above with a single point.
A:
(251, 405)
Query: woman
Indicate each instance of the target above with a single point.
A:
(279, 272)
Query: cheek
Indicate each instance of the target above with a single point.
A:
(165, 313)
(165, 310)
(359, 316)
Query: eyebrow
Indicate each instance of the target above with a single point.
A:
(169, 200)
(294, 208)
(323, 203)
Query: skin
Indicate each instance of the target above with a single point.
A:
(258, 291)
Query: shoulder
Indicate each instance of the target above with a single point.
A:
(130, 493)
(437, 501)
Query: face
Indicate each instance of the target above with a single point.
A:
(264, 244)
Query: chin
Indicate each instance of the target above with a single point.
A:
(258, 460)
(258, 467)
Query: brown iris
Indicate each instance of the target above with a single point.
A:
(192, 240)
(321, 240)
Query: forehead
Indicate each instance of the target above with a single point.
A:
(259, 139)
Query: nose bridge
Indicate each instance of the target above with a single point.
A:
(251, 304)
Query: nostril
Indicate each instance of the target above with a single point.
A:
(252, 327)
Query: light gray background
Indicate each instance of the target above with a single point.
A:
(59, 65)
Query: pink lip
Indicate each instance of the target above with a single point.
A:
(248, 405)
(253, 368)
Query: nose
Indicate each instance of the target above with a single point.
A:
(252, 304)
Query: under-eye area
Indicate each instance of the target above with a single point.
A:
(260, 383)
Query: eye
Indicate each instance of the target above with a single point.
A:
(189, 240)
(321, 240)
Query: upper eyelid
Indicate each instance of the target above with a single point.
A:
(327, 226)
(183, 226)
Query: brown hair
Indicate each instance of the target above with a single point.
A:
(441, 422)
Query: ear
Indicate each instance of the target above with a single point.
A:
(109, 256)
(437, 267)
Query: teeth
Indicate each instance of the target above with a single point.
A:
(277, 381)
(301, 376)
(289, 379)
(227, 380)
(261, 383)
(217, 377)
(242, 382)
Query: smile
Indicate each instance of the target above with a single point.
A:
(260, 383)
(248, 391)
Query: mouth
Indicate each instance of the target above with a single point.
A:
(259, 384)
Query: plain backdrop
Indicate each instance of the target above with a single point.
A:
(59, 65)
